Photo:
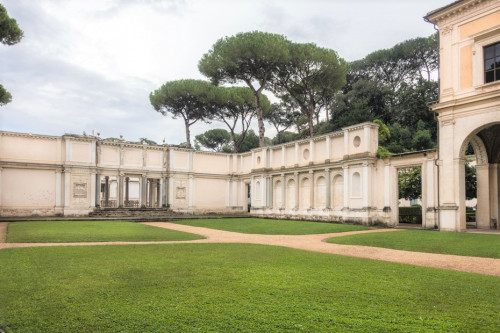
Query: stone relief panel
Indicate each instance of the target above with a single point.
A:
(181, 192)
(80, 189)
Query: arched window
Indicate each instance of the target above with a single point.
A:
(338, 192)
(320, 196)
(277, 193)
(356, 185)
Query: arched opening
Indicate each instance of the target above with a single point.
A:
(290, 194)
(470, 187)
(338, 192)
(410, 195)
(485, 143)
(305, 194)
(320, 193)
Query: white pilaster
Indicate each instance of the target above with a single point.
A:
(67, 188)
(263, 188)
(297, 153)
(170, 192)
(367, 137)
(283, 191)
(191, 161)
(93, 153)
(92, 189)
(387, 187)
(346, 185)
(311, 151)
(366, 185)
(283, 156)
(228, 193)
(346, 142)
(59, 189)
(328, 148)
(328, 195)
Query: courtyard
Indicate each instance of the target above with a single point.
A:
(242, 275)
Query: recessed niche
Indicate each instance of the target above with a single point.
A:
(258, 159)
(306, 154)
(357, 141)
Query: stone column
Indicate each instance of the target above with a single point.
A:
(127, 190)
(150, 193)
(158, 194)
(98, 190)
(144, 185)
(483, 196)
(311, 192)
(106, 191)
(93, 191)
(328, 188)
(228, 192)
(120, 190)
(164, 187)
(67, 188)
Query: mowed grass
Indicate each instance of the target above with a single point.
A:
(90, 231)
(464, 244)
(271, 227)
(234, 288)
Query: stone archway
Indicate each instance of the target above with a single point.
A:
(486, 144)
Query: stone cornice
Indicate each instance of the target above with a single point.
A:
(460, 102)
(30, 135)
(447, 14)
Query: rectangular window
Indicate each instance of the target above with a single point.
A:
(492, 63)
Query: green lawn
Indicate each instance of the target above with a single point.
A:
(271, 227)
(477, 245)
(90, 231)
(234, 287)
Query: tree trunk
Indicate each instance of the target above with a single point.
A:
(262, 129)
(310, 119)
(188, 134)
(235, 142)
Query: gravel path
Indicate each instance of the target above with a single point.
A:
(316, 243)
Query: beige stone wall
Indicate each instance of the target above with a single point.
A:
(468, 109)
(333, 177)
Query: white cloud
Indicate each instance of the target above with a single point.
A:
(91, 64)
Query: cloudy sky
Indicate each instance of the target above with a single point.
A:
(87, 65)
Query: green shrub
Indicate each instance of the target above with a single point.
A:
(411, 214)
